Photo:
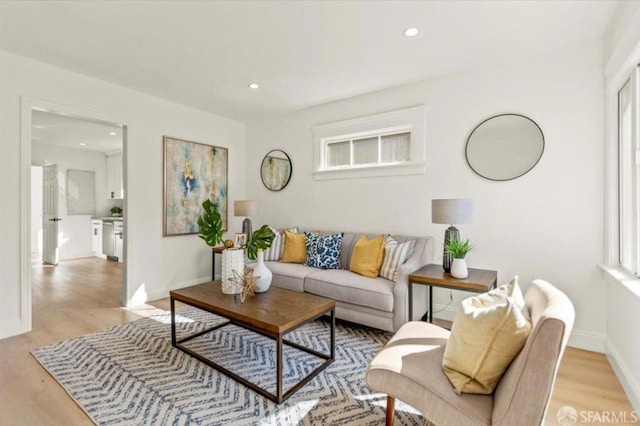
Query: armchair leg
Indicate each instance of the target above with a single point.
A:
(391, 402)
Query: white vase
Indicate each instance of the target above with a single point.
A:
(232, 260)
(459, 269)
(261, 270)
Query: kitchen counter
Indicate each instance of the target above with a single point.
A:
(108, 218)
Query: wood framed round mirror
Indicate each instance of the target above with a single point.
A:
(504, 147)
(275, 170)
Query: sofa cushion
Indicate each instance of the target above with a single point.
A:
(289, 275)
(295, 250)
(323, 251)
(345, 286)
(367, 256)
(394, 256)
(408, 368)
(488, 332)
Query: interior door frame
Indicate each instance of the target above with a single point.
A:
(27, 106)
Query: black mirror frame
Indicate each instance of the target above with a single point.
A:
(290, 168)
(466, 148)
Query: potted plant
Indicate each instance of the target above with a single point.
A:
(458, 249)
(260, 241)
(210, 224)
(116, 211)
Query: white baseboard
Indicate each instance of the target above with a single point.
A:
(624, 374)
(10, 328)
(161, 293)
(587, 340)
(78, 255)
(580, 339)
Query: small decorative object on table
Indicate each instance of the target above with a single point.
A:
(458, 249)
(228, 243)
(246, 283)
(116, 211)
(241, 240)
(259, 242)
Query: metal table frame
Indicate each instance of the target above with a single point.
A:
(280, 396)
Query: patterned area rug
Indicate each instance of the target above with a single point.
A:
(131, 375)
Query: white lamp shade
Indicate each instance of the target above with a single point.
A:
(245, 208)
(451, 211)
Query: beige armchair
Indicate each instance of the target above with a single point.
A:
(409, 368)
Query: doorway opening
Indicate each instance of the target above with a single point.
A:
(74, 165)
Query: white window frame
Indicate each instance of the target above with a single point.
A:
(634, 226)
(410, 120)
(613, 271)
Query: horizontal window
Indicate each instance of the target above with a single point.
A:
(384, 144)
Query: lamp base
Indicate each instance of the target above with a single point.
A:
(246, 228)
(447, 259)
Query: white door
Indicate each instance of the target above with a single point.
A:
(50, 217)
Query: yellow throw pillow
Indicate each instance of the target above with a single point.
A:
(487, 334)
(367, 256)
(295, 250)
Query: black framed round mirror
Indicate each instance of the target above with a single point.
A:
(504, 147)
(275, 170)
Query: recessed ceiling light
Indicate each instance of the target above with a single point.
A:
(83, 144)
(411, 32)
(112, 133)
(253, 86)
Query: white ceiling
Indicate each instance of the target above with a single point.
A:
(70, 132)
(204, 53)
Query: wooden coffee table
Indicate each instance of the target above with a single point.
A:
(272, 314)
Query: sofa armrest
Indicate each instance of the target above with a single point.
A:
(422, 255)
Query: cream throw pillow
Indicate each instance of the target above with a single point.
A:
(488, 332)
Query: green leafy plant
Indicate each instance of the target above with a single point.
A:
(210, 224)
(458, 249)
(260, 240)
(116, 210)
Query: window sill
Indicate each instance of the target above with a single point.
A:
(619, 277)
(414, 168)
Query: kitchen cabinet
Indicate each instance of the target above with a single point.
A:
(118, 235)
(96, 236)
(114, 176)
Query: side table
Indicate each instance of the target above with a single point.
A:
(433, 275)
(214, 251)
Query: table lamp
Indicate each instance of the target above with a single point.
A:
(448, 212)
(245, 208)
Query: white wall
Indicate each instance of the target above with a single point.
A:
(546, 224)
(36, 209)
(75, 230)
(155, 264)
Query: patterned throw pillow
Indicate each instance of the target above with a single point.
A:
(323, 252)
(277, 246)
(394, 256)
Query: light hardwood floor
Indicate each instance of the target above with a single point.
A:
(84, 295)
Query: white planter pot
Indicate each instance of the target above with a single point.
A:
(459, 269)
(261, 270)
(232, 260)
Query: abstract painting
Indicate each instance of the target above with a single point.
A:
(193, 172)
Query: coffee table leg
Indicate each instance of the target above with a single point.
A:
(279, 368)
(333, 334)
(173, 322)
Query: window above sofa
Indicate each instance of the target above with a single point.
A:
(390, 143)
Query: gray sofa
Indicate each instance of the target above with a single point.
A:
(376, 302)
